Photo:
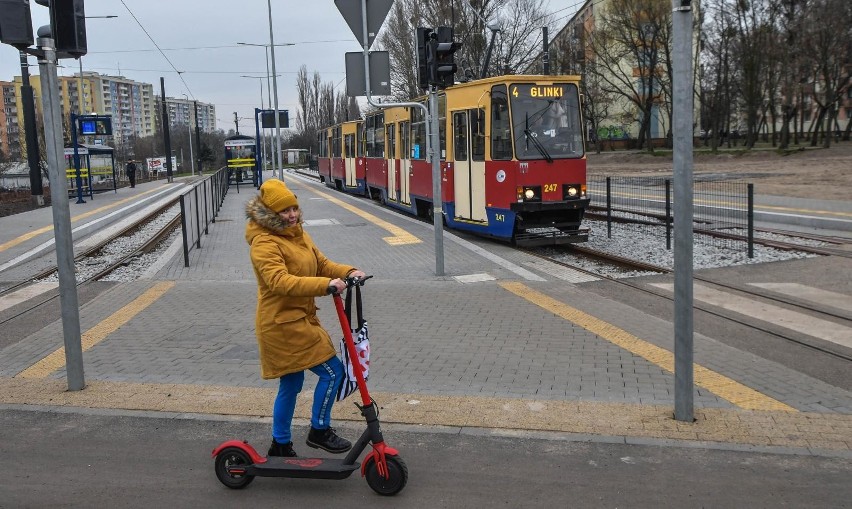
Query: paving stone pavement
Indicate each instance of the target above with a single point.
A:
(433, 337)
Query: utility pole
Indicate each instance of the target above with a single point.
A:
(198, 140)
(166, 135)
(69, 305)
(683, 209)
(236, 123)
(31, 137)
(189, 128)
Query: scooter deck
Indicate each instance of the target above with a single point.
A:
(314, 468)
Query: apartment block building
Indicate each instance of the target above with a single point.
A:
(10, 134)
(131, 105)
(134, 107)
(182, 112)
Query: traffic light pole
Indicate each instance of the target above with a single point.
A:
(431, 144)
(70, 312)
(437, 198)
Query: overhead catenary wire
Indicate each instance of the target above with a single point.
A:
(179, 73)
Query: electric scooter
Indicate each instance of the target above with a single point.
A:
(237, 462)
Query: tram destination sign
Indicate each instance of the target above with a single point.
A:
(377, 11)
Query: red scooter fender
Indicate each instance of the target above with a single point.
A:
(240, 444)
(379, 452)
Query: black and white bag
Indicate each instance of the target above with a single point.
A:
(361, 339)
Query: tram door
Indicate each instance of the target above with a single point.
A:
(349, 159)
(469, 164)
(393, 168)
(404, 162)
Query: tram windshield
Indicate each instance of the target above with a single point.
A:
(546, 121)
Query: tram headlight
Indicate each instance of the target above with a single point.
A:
(529, 193)
(571, 191)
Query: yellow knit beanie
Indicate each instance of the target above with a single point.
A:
(275, 195)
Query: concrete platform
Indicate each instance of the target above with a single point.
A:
(502, 341)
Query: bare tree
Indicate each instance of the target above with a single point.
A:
(827, 41)
(520, 24)
(626, 45)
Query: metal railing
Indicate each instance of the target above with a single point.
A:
(722, 210)
(199, 206)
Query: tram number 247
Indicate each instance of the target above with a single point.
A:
(550, 188)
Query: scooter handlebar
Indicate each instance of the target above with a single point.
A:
(350, 282)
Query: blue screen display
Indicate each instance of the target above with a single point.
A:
(88, 127)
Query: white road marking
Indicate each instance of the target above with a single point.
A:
(809, 293)
(474, 278)
(799, 322)
(563, 273)
(25, 294)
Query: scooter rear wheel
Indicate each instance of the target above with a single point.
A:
(230, 457)
(397, 476)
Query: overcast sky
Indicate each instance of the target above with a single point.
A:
(199, 38)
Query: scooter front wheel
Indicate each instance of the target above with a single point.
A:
(397, 476)
(226, 461)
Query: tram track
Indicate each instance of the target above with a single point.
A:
(627, 264)
(98, 267)
(624, 262)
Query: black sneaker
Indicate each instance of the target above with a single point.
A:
(277, 449)
(327, 440)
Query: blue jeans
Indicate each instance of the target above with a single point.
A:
(330, 375)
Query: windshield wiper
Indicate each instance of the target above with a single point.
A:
(537, 144)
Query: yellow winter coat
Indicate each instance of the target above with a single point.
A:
(290, 273)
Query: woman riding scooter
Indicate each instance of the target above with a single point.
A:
(291, 271)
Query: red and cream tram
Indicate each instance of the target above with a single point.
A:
(514, 167)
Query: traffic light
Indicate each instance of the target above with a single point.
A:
(68, 26)
(16, 27)
(423, 37)
(442, 65)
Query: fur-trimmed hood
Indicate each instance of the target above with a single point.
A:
(290, 273)
(262, 219)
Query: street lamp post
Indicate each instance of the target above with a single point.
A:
(262, 145)
(278, 164)
(189, 128)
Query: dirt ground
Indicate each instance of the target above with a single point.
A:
(811, 173)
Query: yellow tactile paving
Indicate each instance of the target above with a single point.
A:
(27, 236)
(93, 336)
(400, 237)
(720, 385)
(829, 432)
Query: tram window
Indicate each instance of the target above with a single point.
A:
(335, 143)
(477, 134)
(418, 134)
(391, 141)
(460, 136)
(405, 133)
(349, 141)
(369, 127)
(361, 140)
(379, 147)
(546, 121)
(501, 135)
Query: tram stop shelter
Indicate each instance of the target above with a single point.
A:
(97, 169)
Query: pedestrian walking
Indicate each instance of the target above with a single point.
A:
(131, 172)
(291, 272)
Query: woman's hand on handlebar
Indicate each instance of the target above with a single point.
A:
(358, 274)
(336, 286)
